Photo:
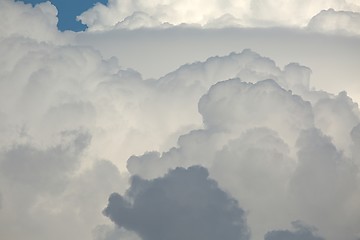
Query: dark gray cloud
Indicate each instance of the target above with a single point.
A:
(184, 204)
(302, 232)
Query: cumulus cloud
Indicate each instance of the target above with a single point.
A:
(267, 137)
(49, 111)
(260, 142)
(184, 204)
(42, 16)
(331, 21)
(337, 116)
(230, 13)
(233, 106)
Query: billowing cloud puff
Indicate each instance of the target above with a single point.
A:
(331, 21)
(42, 18)
(235, 105)
(184, 204)
(301, 232)
(230, 13)
(337, 117)
(230, 108)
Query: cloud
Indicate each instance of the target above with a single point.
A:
(184, 204)
(337, 116)
(234, 105)
(301, 232)
(140, 20)
(51, 104)
(336, 22)
(228, 109)
(43, 170)
(106, 232)
(250, 13)
(31, 178)
(327, 182)
(260, 142)
(315, 51)
(42, 18)
(281, 148)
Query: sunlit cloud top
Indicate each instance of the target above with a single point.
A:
(214, 13)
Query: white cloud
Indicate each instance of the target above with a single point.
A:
(250, 13)
(337, 116)
(19, 19)
(266, 135)
(140, 20)
(336, 22)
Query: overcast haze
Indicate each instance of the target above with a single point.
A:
(166, 120)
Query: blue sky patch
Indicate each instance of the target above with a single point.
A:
(68, 10)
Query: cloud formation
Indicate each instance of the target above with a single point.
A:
(265, 141)
(340, 22)
(184, 204)
(71, 121)
(250, 13)
(42, 17)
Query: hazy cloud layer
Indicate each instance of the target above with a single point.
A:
(250, 13)
(184, 204)
(74, 124)
(330, 57)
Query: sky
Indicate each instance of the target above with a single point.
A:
(68, 10)
(148, 120)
